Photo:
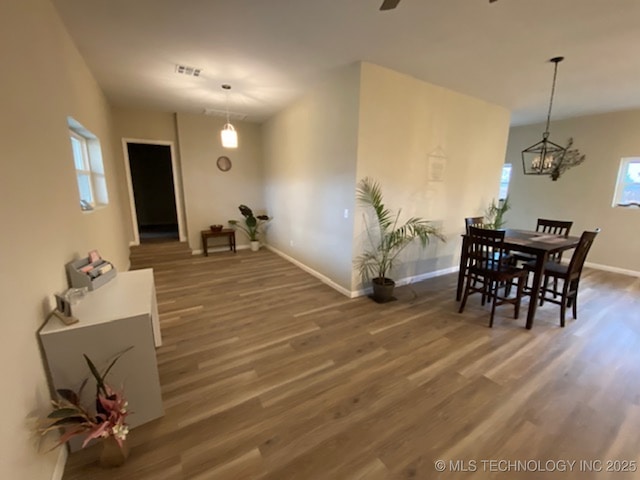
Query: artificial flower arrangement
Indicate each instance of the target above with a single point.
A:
(108, 420)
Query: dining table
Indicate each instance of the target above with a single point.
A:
(539, 245)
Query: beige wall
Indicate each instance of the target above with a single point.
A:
(144, 125)
(406, 126)
(310, 158)
(44, 81)
(583, 194)
(213, 196)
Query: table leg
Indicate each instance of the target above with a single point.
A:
(204, 246)
(541, 260)
(463, 267)
(233, 239)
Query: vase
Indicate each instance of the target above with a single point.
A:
(112, 454)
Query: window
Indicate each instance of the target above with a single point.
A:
(87, 158)
(627, 192)
(504, 181)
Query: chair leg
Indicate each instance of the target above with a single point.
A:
(543, 290)
(493, 286)
(516, 313)
(465, 295)
(563, 302)
(574, 299)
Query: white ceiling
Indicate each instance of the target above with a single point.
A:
(271, 51)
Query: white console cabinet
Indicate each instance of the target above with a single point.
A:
(120, 314)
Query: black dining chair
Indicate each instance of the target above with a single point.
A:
(488, 271)
(554, 227)
(477, 222)
(569, 274)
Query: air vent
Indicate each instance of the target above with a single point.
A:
(223, 113)
(190, 71)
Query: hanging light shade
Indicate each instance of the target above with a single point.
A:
(228, 135)
(545, 157)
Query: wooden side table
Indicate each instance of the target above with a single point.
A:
(230, 233)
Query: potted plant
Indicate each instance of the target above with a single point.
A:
(387, 238)
(494, 215)
(107, 423)
(252, 225)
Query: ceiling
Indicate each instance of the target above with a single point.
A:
(271, 51)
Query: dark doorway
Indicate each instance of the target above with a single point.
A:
(153, 191)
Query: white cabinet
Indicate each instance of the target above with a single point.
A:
(112, 318)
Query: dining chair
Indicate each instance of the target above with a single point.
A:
(477, 222)
(554, 227)
(569, 274)
(487, 270)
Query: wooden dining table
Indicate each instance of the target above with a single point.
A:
(540, 245)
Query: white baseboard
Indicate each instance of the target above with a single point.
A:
(58, 471)
(409, 280)
(363, 291)
(607, 268)
(324, 279)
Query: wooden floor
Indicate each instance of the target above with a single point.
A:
(269, 374)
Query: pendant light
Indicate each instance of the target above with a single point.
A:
(545, 157)
(228, 134)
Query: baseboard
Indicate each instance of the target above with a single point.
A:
(324, 279)
(409, 280)
(58, 471)
(363, 291)
(607, 268)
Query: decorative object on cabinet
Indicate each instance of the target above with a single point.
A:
(91, 272)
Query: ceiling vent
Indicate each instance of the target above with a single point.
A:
(190, 71)
(223, 113)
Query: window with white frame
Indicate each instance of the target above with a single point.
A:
(627, 192)
(87, 158)
(504, 181)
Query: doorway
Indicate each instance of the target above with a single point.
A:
(156, 208)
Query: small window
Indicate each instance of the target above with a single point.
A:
(504, 181)
(87, 158)
(627, 192)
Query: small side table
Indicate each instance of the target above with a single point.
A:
(225, 232)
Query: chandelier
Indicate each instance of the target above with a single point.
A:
(547, 157)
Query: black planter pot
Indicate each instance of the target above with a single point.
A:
(383, 289)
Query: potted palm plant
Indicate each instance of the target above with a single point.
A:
(252, 225)
(387, 239)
